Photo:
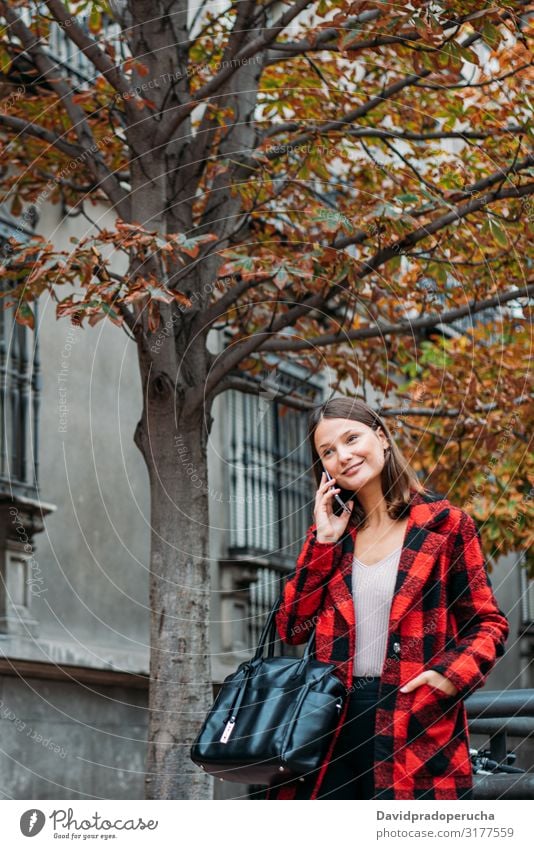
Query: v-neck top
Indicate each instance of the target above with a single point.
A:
(372, 589)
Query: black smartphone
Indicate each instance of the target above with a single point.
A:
(338, 497)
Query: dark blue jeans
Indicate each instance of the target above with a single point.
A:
(349, 774)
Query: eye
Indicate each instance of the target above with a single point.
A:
(354, 436)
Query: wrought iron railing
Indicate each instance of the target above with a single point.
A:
(263, 592)
(501, 715)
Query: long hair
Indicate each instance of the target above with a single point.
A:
(398, 478)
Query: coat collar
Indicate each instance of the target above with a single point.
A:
(424, 538)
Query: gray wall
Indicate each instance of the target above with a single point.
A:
(93, 556)
(68, 741)
(94, 551)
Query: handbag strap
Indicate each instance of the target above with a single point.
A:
(269, 630)
(269, 636)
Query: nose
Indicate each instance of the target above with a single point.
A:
(345, 458)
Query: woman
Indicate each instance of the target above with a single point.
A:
(399, 593)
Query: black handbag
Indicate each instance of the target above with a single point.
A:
(273, 717)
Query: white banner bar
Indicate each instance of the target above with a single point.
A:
(230, 824)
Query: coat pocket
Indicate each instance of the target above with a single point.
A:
(435, 732)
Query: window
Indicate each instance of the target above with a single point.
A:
(19, 393)
(72, 59)
(271, 489)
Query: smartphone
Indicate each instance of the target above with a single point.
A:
(337, 496)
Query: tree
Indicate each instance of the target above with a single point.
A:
(333, 181)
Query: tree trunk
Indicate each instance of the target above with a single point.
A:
(173, 443)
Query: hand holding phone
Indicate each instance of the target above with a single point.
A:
(329, 526)
(336, 496)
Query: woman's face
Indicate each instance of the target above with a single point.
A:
(350, 451)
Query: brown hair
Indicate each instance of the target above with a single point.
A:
(398, 478)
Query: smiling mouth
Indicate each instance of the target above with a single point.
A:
(352, 469)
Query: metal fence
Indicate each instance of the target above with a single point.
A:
(262, 594)
(501, 715)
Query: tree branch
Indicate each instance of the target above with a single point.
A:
(232, 357)
(167, 131)
(89, 149)
(230, 297)
(259, 343)
(89, 47)
(263, 341)
(28, 129)
(456, 214)
(361, 110)
(349, 117)
(250, 386)
(375, 133)
(253, 386)
(129, 319)
(326, 39)
(452, 87)
(407, 327)
(321, 39)
(469, 191)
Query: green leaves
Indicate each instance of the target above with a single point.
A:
(24, 315)
(498, 233)
(469, 55)
(492, 35)
(330, 220)
(438, 270)
(95, 19)
(407, 197)
(349, 38)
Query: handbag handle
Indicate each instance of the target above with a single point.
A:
(269, 631)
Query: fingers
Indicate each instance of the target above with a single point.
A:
(413, 684)
(325, 483)
(326, 492)
(426, 677)
(324, 496)
(329, 492)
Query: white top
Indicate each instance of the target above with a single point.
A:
(372, 590)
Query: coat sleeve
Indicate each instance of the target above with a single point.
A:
(304, 589)
(482, 626)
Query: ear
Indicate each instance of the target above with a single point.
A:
(383, 438)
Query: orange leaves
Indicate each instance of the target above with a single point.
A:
(129, 235)
(152, 258)
(169, 246)
(191, 246)
(85, 98)
(131, 64)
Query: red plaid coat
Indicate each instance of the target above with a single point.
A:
(444, 616)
